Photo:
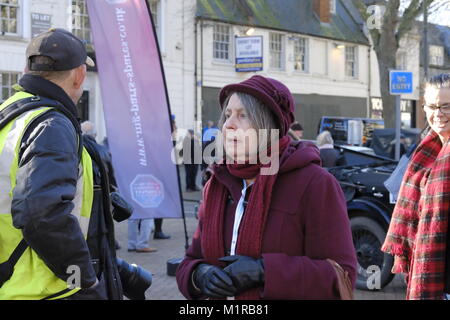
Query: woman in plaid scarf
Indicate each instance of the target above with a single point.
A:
(418, 235)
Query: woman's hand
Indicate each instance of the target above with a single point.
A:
(246, 272)
(213, 281)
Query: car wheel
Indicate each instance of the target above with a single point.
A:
(374, 266)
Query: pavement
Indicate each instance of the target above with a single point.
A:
(164, 287)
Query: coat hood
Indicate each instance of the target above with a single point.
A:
(299, 154)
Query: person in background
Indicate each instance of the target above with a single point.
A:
(267, 233)
(297, 130)
(403, 148)
(89, 133)
(418, 235)
(209, 134)
(158, 234)
(139, 231)
(328, 154)
(88, 129)
(191, 159)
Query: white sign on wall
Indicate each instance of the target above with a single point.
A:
(249, 53)
(40, 22)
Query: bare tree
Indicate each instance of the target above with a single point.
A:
(438, 7)
(397, 19)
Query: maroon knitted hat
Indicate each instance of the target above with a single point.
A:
(271, 93)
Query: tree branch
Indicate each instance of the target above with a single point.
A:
(414, 10)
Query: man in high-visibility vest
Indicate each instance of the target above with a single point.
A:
(46, 183)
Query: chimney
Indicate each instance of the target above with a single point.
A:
(322, 9)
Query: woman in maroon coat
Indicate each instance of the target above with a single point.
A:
(266, 229)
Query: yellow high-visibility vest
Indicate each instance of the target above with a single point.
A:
(32, 279)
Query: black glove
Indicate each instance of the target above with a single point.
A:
(246, 272)
(213, 282)
(122, 210)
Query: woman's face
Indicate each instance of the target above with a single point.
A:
(240, 137)
(438, 121)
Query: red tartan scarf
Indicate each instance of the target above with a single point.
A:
(418, 229)
(254, 220)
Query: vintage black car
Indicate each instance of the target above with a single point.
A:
(369, 208)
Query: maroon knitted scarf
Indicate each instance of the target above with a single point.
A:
(417, 233)
(253, 223)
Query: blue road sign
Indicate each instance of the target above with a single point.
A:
(401, 82)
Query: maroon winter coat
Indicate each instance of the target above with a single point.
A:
(307, 223)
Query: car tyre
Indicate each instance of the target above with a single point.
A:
(368, 236)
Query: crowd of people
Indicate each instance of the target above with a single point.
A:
(282, 233)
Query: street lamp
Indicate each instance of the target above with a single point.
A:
(250, 31)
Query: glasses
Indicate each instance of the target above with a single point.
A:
(432, 108)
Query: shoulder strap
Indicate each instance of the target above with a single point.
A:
(95, 156)
(344, 283)
(8, 114)
(7, 267)
(21, 106)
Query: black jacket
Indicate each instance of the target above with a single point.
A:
(101, 240)
(46, 185)
(105, 157)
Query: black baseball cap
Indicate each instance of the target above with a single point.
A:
(64, 48)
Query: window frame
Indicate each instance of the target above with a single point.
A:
(333, 5)
(18, 18)
(281, 53)
(82, 30)
(10, 83)
(155, 7)
(437, 60)
(219, 37)
(355, 61)
(306, 55)
(401, 60)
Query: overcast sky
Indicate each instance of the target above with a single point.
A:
(443, 17)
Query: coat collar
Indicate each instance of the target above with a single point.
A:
(45, 88)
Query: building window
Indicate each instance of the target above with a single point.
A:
(301, 54)
(7, 80)
(154, 11)
(402, 60)
(221, 42)
(276, 51)
(437, 55)
(351, 61)
(80, 21)
(9, 16)
(156, 17)
(333, 6)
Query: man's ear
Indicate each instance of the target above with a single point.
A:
(80, 76)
